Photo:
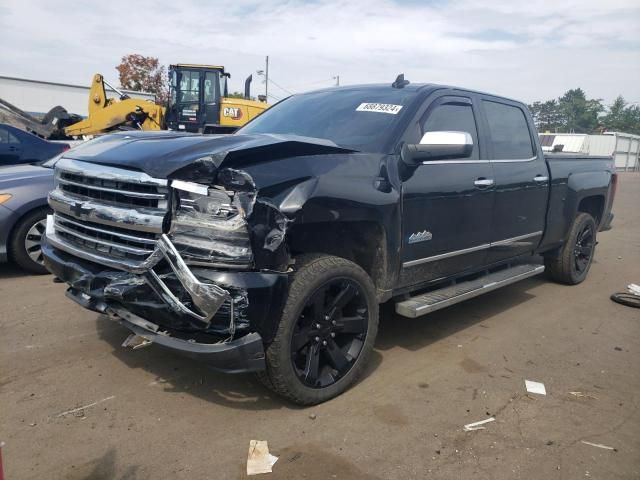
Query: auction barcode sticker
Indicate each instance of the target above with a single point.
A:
(379, 107)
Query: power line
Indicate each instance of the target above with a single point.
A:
(280, 87)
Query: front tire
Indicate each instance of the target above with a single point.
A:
(574, 261)
(26, 242)
(326, 333)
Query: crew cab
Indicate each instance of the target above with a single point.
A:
(270, 250)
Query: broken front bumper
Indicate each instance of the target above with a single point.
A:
(245, 354)
(192, 308)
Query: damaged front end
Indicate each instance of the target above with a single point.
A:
(212, 287)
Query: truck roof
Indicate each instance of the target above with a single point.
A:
(417, 87)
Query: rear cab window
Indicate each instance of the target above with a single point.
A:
(509, 134)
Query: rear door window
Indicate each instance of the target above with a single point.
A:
(510, 138)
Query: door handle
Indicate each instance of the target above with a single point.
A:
(540, 178)
(483, 182)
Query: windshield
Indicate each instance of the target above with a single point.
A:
(362, 119)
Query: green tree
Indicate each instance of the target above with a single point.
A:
(577, 113)
(622, 117)
(546, 115)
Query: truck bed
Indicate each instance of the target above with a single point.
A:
(573, 177)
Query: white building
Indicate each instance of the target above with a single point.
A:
(38, 97)
(624, 147)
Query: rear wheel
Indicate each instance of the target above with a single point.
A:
(26, 242)
(573, 263)
(326, 332)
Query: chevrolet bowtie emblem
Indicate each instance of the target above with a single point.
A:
(79, 210)
(420, 237)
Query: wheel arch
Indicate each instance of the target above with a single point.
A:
(362, 242)
(23, 213)
(593, 205)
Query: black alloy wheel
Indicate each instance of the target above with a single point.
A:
(326, 331)
(583, 250)
(330, 333)
(570, 265)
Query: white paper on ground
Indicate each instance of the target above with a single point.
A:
(259, 459)
(535, 387)
(633, 289)
(599, 445)
(470, 427)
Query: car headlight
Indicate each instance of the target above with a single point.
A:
(209, 226)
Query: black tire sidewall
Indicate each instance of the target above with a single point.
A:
(17, 250)
(306, 282)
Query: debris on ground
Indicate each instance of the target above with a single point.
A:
(599, 445)
(313, 416)
(535, 387)
(630, 298)
(136, 341)
(470, 427)
(81, 409)
(259, 459)
(582, 395)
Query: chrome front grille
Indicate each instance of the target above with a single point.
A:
(117, 243)
(107, 215)
(122, 193)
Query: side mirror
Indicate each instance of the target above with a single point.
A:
(438, 146)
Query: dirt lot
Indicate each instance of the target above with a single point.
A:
(151, 414)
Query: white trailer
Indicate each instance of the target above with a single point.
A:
(623, 147)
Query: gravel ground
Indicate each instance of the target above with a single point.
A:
(151, 414)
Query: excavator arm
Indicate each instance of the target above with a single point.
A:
(106, 114)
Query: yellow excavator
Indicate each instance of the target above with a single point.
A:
(198, 102)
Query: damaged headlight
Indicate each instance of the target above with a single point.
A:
(209, 225)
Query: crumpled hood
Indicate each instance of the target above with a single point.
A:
(19, 174)
(163, 154)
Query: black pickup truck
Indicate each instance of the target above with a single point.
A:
(270, 250)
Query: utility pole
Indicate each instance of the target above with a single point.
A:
(337, 79)
(266, 79)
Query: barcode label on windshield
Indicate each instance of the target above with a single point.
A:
(379, 107)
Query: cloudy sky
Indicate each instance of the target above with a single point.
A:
(529, 50)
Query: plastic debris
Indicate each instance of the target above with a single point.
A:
(81, 409)
(582, 395)
(535, 387)
(598, 445)
(259, 459)
(470, 427)
(136, 341)
(634, 289)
